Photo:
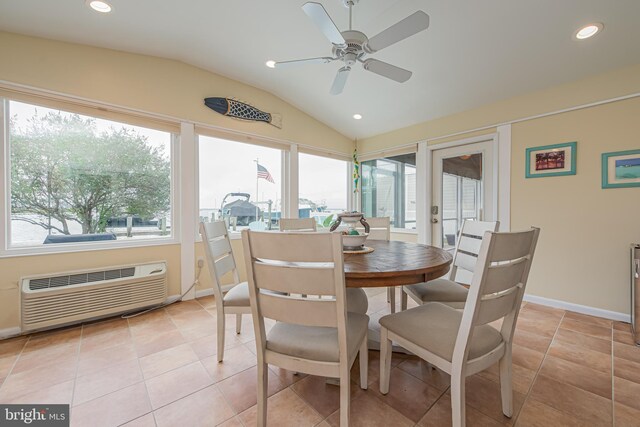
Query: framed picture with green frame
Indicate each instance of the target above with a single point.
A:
(551, 160)
(621, 169)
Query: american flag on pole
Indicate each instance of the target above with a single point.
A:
(264, 173)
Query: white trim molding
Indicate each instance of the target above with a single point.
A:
(501, 178)
(578, 308)
(504, 177)
(187, 170)
(10, 332)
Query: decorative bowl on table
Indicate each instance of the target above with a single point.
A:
(352, 239)
(353, 242)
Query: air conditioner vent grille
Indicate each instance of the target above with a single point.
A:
(77, 279)
(75, 296)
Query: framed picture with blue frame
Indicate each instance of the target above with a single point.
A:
(551, 160)
(621, 169)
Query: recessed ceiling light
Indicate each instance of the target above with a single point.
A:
(589, 31)
(271, 64)
(357, 116)
(99, 5)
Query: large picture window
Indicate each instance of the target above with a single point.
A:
(240, 184)
(389, 189)
(322, 188)
(76, 178)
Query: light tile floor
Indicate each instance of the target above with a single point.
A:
(160, 369)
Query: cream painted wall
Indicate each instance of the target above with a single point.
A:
(583, 251)
(148, 84)
(582, 257)
(12, 269)
(151, 84)
(596, 88)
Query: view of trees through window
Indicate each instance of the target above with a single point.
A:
(389, 189)
(322, 188)
(77, 178)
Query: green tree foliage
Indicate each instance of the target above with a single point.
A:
(63, 168)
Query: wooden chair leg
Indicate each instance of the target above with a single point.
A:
(364, 363)
(385, 360)
(345, 396)
(392, 298)
(505, 383)
(263, 384)
(238, 323)
(221, 333)
(403, 300)
(458, 415)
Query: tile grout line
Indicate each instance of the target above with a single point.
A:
(613, 382)
(75, 376)
(15, 362)
(535, 377)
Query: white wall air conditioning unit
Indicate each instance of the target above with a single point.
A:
(65, 298)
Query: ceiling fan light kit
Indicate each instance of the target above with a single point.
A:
(351, 46)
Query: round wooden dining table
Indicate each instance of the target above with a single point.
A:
(394, 263)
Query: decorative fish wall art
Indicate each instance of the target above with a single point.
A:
(242, 111)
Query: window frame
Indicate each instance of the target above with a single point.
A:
(286, 151)
(397, 199)
(348, 174)
(86, 109)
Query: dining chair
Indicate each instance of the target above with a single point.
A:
(448, 290)
(380, 229)
(297, 224)
(462, 343)
(220, 261)
(316, 336)
(357, 300)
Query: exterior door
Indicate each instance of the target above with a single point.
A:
(464, 187)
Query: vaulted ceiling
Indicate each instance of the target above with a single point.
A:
(473, 53)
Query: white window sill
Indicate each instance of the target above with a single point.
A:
(404, 231)
(85, 247)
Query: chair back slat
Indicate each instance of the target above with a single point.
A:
(478, 228)
(219, 255)
(219, 247)
(468, 243)
(510, 246)
(273, 263)
(215, 229)
(502, 277)
(224, 265)
(292, 247)
(297, 224)
(301, 311)
(498, 285)
(295, 278)
(379, 228)
(496, 306)
(466, 261)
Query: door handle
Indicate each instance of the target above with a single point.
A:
(434, 220)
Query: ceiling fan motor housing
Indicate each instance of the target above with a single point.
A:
(354, 48)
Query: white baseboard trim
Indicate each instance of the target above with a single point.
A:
(584, 309)
(10, 332)
(204, 293)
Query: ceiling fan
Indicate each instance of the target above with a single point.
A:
(352, 46)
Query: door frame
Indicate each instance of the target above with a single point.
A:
(501, 178)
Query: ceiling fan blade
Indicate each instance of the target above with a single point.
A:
(341, 79)
(321, 60)
(412, 24)
(387, 70)
(323, 21)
